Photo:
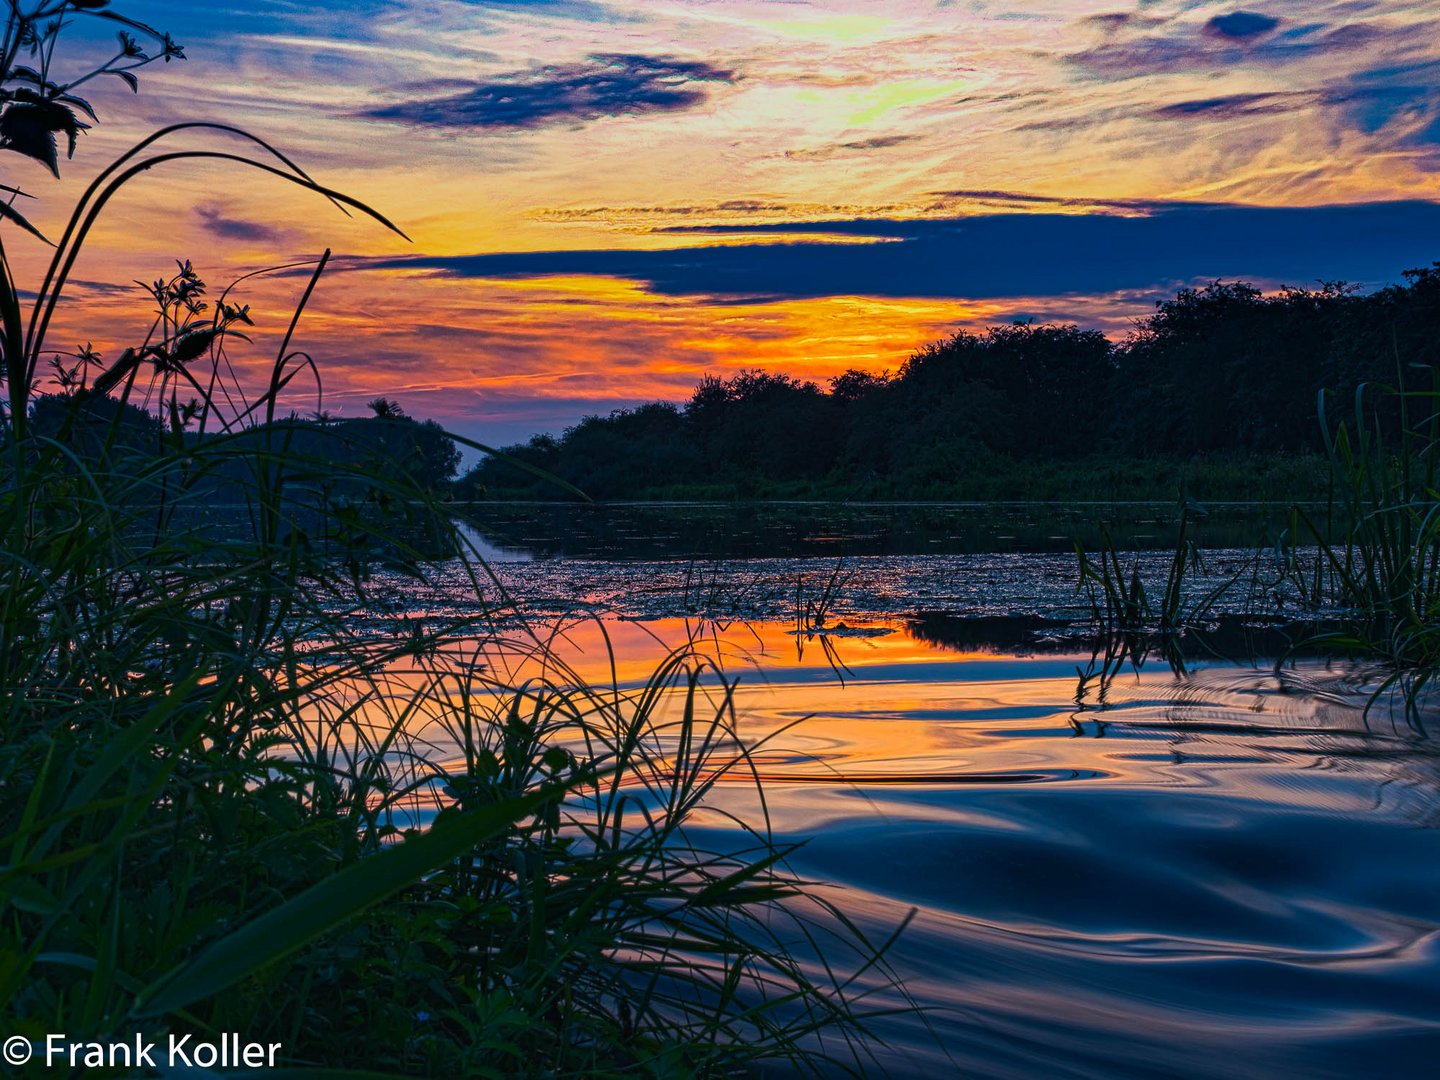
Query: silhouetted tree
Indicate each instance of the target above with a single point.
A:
(1221, 369)
(88, 423)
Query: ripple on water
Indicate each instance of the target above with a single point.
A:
(1237, 874)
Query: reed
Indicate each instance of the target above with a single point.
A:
(238, 793)
(1366, 572)
(1130, 621)
(1379, 550)
(1127, 622)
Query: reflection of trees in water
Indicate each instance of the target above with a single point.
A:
(1015, 635)
(1237, 638)
(820, 529)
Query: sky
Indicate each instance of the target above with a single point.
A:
(603, 202)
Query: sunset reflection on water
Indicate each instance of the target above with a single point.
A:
(1234, 866)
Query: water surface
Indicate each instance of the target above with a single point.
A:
(1234, 872)
(746, 530)
(1231, 874)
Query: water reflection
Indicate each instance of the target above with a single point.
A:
(659, 531)
(1232, 874)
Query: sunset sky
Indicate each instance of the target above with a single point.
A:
(607, 201)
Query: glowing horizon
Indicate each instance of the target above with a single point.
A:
(607, 201)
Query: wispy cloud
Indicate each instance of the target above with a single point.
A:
(851, 147)
(1223, 42)
(1234, 105)
(999, 197)
(657, 218)
(609, 84)
(218, 222)
(578, 10)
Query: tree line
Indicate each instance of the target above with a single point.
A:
(98, 427)
(1219, 384)
(1215, 391)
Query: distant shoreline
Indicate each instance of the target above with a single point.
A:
(1218, 478)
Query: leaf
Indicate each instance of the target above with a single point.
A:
(9, 212)
(82, 962)
(21, 73)
(80, 103)
(130, 80)
(27, 895)
(328, 904)
(24, 129)
(28, 127)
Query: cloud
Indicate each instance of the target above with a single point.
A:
(1110, 21)
(1365, 108)
(855, 146)
(998, 197)
(879, 142)
(1402, 95)
(1232, 106)
(131, 290)
(214, 222)
(606, 84)
(816, 216)
(578, 10)
(1241, 24)
(1225, 41)
(746, 209)
(1152, 55)
(1006, 255)
(1401, 99)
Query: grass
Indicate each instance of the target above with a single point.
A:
(1367, 571)
(1127, 621)
(233, 798)
(213, 777)
(1379, 555)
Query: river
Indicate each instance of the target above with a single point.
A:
(1228, 870)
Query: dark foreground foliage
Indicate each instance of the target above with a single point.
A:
(235, 796)
(239, 794)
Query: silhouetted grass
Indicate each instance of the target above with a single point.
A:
(1379, 555)
(1367, 570)
(1128, 623)
(213, 774)
(233, 797)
